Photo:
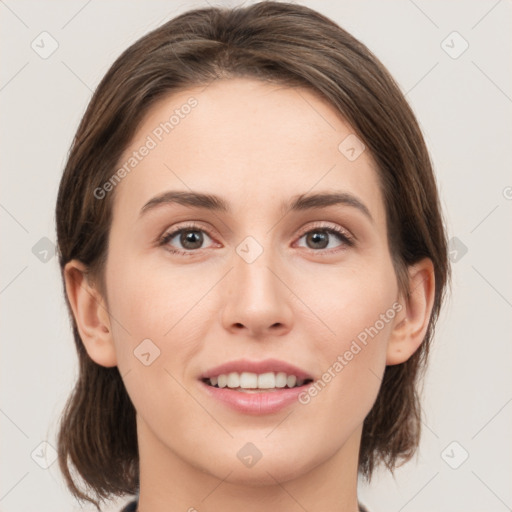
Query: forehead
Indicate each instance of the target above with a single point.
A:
(253, 143)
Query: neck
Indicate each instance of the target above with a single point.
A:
(168, 482)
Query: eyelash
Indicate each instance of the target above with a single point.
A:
(342, 234)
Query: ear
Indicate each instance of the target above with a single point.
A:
(91, 314)
(412, 322)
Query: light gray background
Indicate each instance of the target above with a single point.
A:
(463, 105)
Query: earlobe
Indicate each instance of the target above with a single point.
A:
(90, 313)
(411, 326)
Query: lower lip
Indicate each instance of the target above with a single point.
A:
(256, 403)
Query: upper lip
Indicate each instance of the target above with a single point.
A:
(246, 365)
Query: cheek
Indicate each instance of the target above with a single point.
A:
(350, 303)
(154, 295)
(157, 303)
(358, 315)
(155, 334)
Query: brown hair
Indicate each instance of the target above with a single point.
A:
(283, 43)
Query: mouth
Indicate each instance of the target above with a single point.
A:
(255, 394)
(248, 382)
(256, 387)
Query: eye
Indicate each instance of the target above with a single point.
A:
(191, 237)
(320, 237)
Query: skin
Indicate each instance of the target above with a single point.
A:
(256, 145)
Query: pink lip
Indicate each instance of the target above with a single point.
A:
(245, 365)
(255, 403)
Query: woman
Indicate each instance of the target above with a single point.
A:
(254, 260)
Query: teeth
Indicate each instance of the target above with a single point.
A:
(233, 380)
(248, 380)
(266, 381)
(281, 380)
(291, 380)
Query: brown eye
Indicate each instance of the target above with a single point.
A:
(320, 238)
(189, 238)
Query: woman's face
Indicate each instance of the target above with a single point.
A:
(257, 280)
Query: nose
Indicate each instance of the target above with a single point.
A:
(257, 298)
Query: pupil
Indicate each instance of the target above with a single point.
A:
(318, 236)
(188, 238)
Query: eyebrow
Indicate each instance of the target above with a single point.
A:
(301, 202)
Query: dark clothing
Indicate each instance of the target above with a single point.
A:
(132, 507)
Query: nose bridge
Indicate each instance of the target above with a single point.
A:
(256, 297)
